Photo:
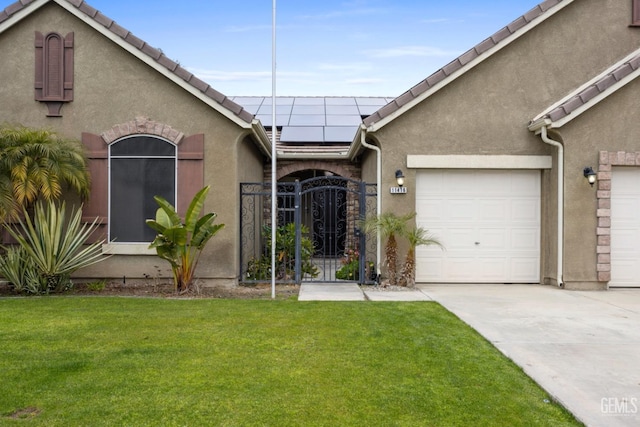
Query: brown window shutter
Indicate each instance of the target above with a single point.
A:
(39, 77)
(98, 163)
(68, 68)
(635, 19)
(190, 170)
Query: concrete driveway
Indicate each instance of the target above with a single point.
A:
(582, 347)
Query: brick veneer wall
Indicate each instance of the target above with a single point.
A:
(344, 169)
(142, 125)
(608, 159)
(287, 167)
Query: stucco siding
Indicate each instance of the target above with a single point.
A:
(486, 112)
(111, 86)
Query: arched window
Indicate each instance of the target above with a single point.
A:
(140, 167)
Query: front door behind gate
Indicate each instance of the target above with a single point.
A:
(319, 236)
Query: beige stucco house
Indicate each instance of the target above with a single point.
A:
(495, 144)
(494, 147)
(161, 129)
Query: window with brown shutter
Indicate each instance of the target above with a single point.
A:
(635, 15)
(53, 70)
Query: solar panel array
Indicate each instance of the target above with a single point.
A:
(313, 120)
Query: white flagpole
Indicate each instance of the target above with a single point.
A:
(274, 131)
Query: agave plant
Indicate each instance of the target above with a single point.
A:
(416, 237)
(181, 243)
(51, 248)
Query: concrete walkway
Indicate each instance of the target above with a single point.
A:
(353, 292)
(582, 347)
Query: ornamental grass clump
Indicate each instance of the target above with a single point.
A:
(50, 249)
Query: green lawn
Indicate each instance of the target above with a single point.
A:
(93, 361)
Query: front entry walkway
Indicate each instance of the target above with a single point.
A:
(582, 347)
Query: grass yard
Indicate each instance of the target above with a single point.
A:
(101, 361)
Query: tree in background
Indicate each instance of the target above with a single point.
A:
(36, 165)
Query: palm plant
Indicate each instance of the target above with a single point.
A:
(50, 249)
(181, 243)
(389, 225)
(38, 164)
(416, 237)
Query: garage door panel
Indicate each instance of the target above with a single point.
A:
(527, 239)
(625, 227)
(500, 210)
(523, 268)
(626, 241)
(491, 270)
(491, 238)
(459, 238)
(525, 211)
(522, 184)
(460, 210)
(492, 210)
(457, 269)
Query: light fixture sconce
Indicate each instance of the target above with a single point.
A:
(590, 175)
(399, 178)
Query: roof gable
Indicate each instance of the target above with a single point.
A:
(464, 63)
(591, 93)
(153, 57)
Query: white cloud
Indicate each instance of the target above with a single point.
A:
(415, 51)
(364, 81)
(246, 28)
(346, 67)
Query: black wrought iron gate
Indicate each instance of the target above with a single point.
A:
(319, 236)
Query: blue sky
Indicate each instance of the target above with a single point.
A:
(324, 48)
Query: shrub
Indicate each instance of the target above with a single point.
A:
(260, 269)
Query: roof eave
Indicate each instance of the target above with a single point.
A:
(153, 64)
(21, 14)
(263, 140)
(375, 126)
(322, 156)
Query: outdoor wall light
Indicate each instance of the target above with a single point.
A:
(399, 178)
(590, 175)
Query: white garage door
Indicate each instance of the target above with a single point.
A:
(625, 227)
(488, 221)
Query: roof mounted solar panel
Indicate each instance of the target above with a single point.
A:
(331, 100)
(344, 134)
(303, 100)
(266, 120)
(343, 110)
(308, 109)
(302, 134)
(307, 120)
(344, 120)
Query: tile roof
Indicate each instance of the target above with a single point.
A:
(144, 48)
(518, 26)
(595, 90)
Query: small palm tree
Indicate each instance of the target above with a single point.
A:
(38, 164)
(416, 237)
(389, 225)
